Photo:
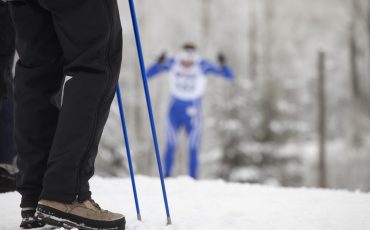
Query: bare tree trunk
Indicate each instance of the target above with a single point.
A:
(354, 54)
(361, 88)
(366, 14)
(267, 101)
(367, 96)
(368, 22)
(253, 55)
(322, 120)
(355, 78)
(354, 71)
(269, 37)
(205, 25)
(145, 159)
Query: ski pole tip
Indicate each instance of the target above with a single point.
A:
(169, 222)
(139, 217)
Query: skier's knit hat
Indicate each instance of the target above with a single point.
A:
(189, 46)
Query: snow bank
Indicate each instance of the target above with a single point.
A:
(219, 205)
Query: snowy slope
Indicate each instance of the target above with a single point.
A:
(218, 205)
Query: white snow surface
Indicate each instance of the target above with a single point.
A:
(199, 205)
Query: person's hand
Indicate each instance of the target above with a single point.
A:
(221, 59)
(162, 58)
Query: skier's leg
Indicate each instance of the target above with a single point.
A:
(38, 76)
(90, 35)
(172, 129)
(194, 147)
(194, 129)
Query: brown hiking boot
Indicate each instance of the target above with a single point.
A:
(85, 215)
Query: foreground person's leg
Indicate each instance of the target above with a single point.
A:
(89, 32)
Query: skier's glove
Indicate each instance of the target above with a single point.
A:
(162, 58)
(221, 59)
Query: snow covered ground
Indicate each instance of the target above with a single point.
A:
(219, 205)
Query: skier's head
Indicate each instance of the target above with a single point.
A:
(189, 46)
(188, 56)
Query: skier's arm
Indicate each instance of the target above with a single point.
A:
(163, 64)
(221, 69)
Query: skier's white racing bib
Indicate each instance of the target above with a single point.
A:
(187, 83)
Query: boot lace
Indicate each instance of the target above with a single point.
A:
(96, 205)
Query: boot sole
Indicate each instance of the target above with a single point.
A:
(57, 218)
(31, 225)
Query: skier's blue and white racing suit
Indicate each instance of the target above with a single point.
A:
(187, 87)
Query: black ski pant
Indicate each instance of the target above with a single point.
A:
(70, 57)
(7, 48)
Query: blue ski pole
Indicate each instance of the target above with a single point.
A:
(149, 105)
(128, 152)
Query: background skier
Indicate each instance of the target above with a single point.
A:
(188, 79)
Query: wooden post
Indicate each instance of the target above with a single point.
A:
(322, 120)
